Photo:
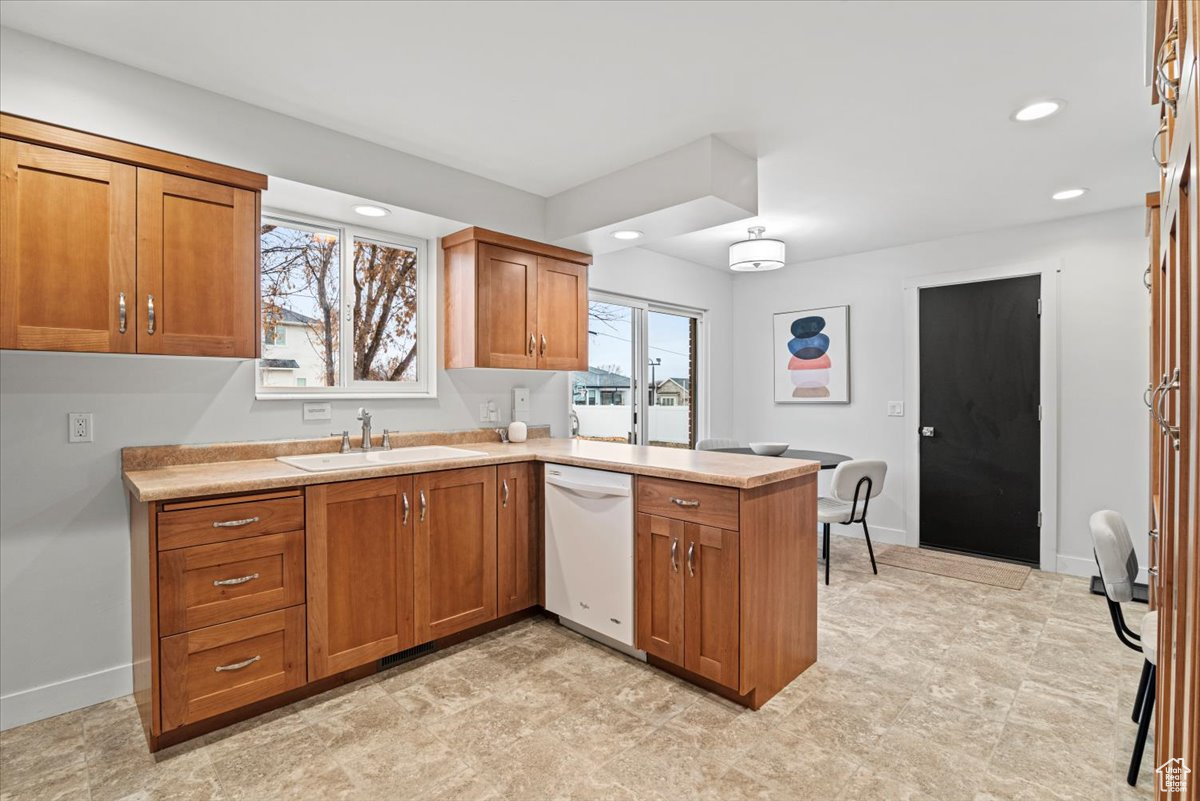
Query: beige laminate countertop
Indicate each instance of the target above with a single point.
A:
(724, 469)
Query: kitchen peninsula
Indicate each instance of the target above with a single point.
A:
(256, 583)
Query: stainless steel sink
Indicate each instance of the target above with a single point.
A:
(326, 462)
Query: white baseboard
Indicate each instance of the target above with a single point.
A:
(1076, 566)
(879, 534)
(36, 703)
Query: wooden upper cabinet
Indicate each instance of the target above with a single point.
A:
(514, 303)
(197, 267)
(508, 307)
(518, 561)
(455, 551)
(113, 247)
(360, 572)
(562, 315)
(67, 255)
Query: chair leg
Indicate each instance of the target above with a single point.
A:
(826, 549)
(870, 550)
(1139, 745)
(1141, 691)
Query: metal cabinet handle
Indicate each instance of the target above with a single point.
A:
(1153, 571)
(1170, 430)
(543, 350)
(1154, 397)
(238, 665)
(233, 582)
(690, 504)
(1146, 396)
(691, 558)
(404, 506)
(421, 506)
(1168, 53)
(122, 317)
(531, 344)
(1155, 149)
(245, 521)
(675, 555)
(504, 493)
(149, 314)
(1153, 533)
(1146, 280)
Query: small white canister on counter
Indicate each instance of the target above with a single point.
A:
(517, 431)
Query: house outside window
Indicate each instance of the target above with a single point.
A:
(347, 312)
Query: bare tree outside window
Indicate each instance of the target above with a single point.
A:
(301, 287)
(385, 312)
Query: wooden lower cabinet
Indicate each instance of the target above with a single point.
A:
(219, 668)
(455, 551)
(687, 596)
(518, 546)
(360, 572)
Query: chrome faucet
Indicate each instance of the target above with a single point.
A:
(365, 416)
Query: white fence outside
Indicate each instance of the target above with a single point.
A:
(667, 423)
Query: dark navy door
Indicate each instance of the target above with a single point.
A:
(979, 427)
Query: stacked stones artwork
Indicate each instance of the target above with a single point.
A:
(809, 364)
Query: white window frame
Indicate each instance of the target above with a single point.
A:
(425, 385)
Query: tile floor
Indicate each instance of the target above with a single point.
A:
(926, 688)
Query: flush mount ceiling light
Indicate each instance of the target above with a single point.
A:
(371, 211)
(756, 254)
(1069, 194)
(1038, 110)
(627, 234)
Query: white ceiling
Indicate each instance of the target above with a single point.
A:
(875, 124)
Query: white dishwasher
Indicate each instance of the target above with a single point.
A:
(589, 552)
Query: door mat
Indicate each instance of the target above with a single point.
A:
(953, 565)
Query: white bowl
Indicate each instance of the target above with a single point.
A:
(768, 448)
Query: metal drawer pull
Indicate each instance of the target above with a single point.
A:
(421, 505)
(121, 315)
(543, 351)
(238, 665)
(404, 504)
(245, 521)
(691, 558)
(1146, 396)
(235, 581)
(1154, 405)
(675, 555)
(504, 493)
(690, 504)
(531, 344)
(150, 313)
(1168, 88)
(1146, 279)
(1155, 149)
(1169, 429)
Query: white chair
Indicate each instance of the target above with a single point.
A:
(1118, 570)
(855, 483)
(716, 444)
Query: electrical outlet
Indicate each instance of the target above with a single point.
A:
(493, 414)
(79, 427)
(318, 411)
(483, 412)
(895, 408)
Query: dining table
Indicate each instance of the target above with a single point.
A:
(827, 459)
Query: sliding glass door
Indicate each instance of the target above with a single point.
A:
(640, 386)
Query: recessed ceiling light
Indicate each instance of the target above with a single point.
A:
(1069, 194)
(627, 234)
(1038, 110)
(371, 211)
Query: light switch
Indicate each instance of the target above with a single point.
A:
(895, 408)
(318, 411)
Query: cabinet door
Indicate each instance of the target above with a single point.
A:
(360, 569)
(455, 551)
(711, 603)
(197, 267)
(659, 579)
(67, 252)
(507, 310)
(562, 311)
(517, 543)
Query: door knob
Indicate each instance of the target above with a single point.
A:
(926, 431)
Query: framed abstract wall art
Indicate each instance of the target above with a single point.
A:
(810, 355)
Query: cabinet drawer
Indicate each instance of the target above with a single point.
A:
(209, 584)
(199, 526)
(213, 670)
(686, 500)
